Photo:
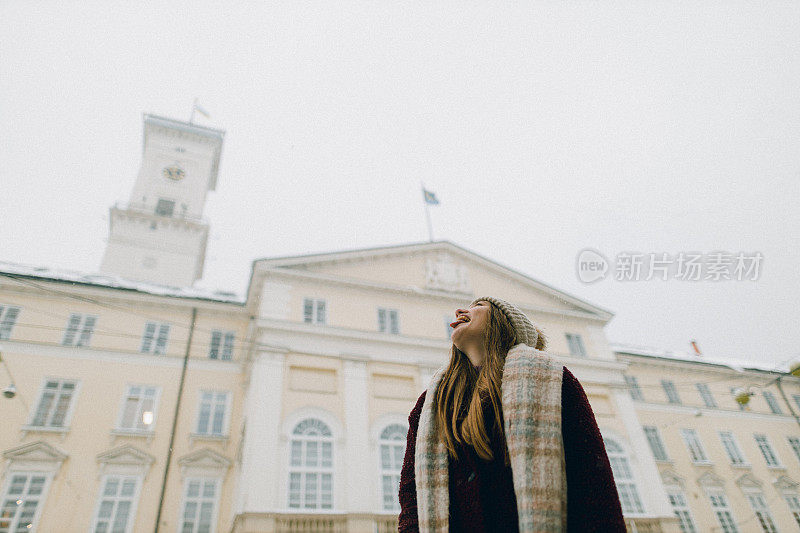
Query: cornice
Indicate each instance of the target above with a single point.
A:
(706, 412)
(453, 298)
(91, 354)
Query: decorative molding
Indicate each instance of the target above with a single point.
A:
(670, 479)
(38, 451)
(125, 460)
(748, 481)
(444, 273)
(711, 480)
(785, 484)
(204, 462)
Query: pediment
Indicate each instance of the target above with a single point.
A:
(125, 455)
(670, 478)
(748, 481)
(39, 451)
(709, 479)
(205, 458)
(785, 483)
(438, 267)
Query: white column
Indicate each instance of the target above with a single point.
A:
(260, 480)
(360, 474)
(651, 489)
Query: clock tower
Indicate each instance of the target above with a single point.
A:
(160, 235)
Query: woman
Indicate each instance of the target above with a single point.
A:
(504, 439)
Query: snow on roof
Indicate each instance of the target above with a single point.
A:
(115, 282)
(736, 364)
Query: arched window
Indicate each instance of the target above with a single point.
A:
(623, 477)
(311, 466)
(392, 449)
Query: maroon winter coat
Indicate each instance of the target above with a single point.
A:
(482, 492)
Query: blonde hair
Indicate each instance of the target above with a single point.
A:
(459, 397)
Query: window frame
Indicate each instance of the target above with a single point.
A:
(388, 314)
(224, 351)
(394, 472)
(734, 442)
(633, 387)
(656, 435)
(185, 497)
(718, 492)
(315, 311)
(772, 402)
(685, 433)
(7, 482)
(628, 482)
(318, 469)
(6, 325)
(153, 345)
(67, 416)
(575, 345)
(139, 480)
(705, 394)
(121, 411)
(778, 463)
(675, 490)
(226, 421)
(671, 392)
(76, 337)
(763, 507)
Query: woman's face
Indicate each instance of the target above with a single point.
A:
(470, 326)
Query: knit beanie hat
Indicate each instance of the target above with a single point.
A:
(524, 331)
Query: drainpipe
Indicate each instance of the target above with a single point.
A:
(175, 419)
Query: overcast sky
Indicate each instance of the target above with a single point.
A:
(543, 127)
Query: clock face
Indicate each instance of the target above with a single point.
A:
(174, 173)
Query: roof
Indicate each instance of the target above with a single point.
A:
(291, 260)
(111, 281)
(738, 365)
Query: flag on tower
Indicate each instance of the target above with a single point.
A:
(430, 198)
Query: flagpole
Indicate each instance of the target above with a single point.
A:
(427, 214)
(191, 118)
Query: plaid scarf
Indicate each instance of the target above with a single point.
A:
(531, 401)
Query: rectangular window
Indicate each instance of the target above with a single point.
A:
(314, 311)
(766, 450)
(696, 451)
(773, 403)
(633, 387)
(154, 339)
(115, 508)
(705, 393)
(139, 408)
(221, 345)
(795, 397)
(762, 513)
(794, 442)
(213, 413)
(681, 509)
(79, 329)
(54, 403)
(200, 499)
(794, 506)
(576, 346)
(165, 208)
(670, 391)
(656, 444)
(720, 505)
(388, 321)
(8, 317)
(732, 448)
(23, 495)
